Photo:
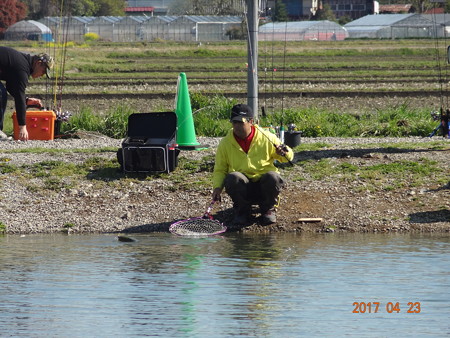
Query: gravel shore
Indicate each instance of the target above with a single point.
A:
(152, 204)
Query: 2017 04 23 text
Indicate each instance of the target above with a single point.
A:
(389, 307)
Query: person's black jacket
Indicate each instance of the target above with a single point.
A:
(15, 69)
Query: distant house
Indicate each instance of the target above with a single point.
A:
(145, 11)
(353, 9)
(148, 7)
(395, 9)
(304, 9)
(28, 30)
(296, 9)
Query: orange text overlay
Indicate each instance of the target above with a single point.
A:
(389, 307)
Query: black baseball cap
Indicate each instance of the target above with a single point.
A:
(241, 112)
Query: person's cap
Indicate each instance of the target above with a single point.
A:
(48, 61)
(241, 113)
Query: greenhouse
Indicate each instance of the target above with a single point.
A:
(302, 30)
(68, 28)
(28, 30)
(398, 26)
(156, 27)
(145, 28)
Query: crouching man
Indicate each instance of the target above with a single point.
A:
(15, 70)
(244, 166)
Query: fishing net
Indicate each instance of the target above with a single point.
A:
(197, 227)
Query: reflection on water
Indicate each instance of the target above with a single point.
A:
(283, 285)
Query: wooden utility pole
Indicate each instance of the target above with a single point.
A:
(252, 57)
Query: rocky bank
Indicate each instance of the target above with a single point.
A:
(130, 205)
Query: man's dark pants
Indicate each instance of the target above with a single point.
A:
(3, 101)
(246, 193)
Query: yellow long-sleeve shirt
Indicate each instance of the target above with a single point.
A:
(259, 160)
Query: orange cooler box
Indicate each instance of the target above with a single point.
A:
(40, 125)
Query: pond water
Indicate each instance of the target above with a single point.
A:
(283, 285)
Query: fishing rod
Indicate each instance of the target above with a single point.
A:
(443, 115)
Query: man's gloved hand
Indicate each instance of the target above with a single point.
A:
(281, 149)
(34, 103)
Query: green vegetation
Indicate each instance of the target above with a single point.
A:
(211, 118)
(384, 176)
(58, 175)
(3, 228)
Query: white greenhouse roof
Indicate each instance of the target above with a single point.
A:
(29, 26)
(210, 18)
(297, 26)
(379, 20)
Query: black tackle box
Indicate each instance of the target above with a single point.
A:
(150, 145)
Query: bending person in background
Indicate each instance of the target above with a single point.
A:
(15, 70)
(244, 166)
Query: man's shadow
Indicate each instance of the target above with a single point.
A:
(343, 153)
(434, 216)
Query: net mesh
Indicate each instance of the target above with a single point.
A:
(197, 227)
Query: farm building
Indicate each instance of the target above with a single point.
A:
(144, 28)
(302, 30)
(398, 26)
(28, 30)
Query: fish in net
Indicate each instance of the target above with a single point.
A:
(198, 226)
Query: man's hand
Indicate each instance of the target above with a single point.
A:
(23, 133)
(216, 194)
(35, 103)
(281, 150)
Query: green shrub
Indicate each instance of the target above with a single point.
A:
(3, 228)
(116, 121)
(84, 120)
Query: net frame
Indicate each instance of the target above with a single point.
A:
(197, 226)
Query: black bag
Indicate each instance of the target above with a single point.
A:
(150, 144)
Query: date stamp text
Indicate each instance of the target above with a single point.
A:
(389, 307)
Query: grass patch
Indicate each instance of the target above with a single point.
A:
(386, 176)
(3, 228)
(192, 174)
(56, 175)
(40, 150)
(8, 168)
(113, 124)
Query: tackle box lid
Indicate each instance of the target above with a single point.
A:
(158, 126)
